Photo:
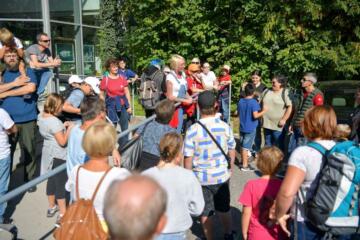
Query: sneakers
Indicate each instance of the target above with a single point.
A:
(58, 219)
(51, 211)
(247, 169)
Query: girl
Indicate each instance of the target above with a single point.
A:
(184, 192)
(258, 197)
(55, 135)
(98, 143)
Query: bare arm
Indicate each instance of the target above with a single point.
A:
(286, 116)
(36, 64)
(62, 137)
(12, 129)
(245, 221)
(20, 52)
(67, 107)
(188, 163)
(2, 52)
(27, 89)
(19, 81)
(170, 96)
(231, 154)
(127, 94)
(259, 114)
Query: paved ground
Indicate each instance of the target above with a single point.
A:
(28, 211)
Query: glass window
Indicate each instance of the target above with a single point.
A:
(20, 9)
(92, 62)
(62, 10)
(63, 45)
(25, 31)
(90, 12)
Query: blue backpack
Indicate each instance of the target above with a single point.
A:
(334, 206)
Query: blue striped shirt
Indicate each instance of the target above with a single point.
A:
(209, 164)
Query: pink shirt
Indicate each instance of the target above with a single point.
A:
(259, 194)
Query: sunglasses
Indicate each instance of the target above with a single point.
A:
(195, 62)
(46, 40)
(304, 80)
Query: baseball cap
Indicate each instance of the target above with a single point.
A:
(194, 67)
(195, 60)
(94, 83)
(206, 100)
(156, 62)
(75, 79)
(226, 67)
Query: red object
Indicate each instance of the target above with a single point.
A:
(114, 87)
(174, 122)
(224, 78)
(192, 83)
(318, 99)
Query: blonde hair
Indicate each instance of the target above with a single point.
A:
(174, 61)
(99, 140)
(170, 146)
(52, 103)
(343, 131)
(269, 159)
(6, 36)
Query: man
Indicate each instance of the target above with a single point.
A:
(21, 109)
(209, 165)
(87, 87)
(39, 58)
(310, 96)
(135, 208)
(92, 110)
(127, 73)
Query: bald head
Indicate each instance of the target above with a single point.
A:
(134, 208)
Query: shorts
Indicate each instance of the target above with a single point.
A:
(247, 140)
(56, 184)
(217, 198)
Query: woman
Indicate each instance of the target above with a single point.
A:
(115, 90)
(303, 170)
(279, 107)
(55, 134)
(224, 94)
(176, 89)
(208, 77)
(98, 142)
(185, 197)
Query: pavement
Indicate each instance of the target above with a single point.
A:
(28, 210)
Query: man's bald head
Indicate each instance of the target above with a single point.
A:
(134, 208)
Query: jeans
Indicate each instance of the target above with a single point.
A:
(274, 138)
(172, 236)
(123, 116)
(180, 120)
(225, 108)
(4, 181)
(306, 231)
(43, 77)
(247, 139)
(299, 137)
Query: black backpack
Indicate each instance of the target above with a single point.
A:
(151, 87)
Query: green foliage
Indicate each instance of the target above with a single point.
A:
(288, 37)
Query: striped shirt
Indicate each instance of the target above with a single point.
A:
(209, 164)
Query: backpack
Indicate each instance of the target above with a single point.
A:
(80, 220)
(151, 88)
(334, 206)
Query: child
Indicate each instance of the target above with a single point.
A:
(224, 82)
(343, 132)
(7, 126)
(249, 112)
(98, 142)
(55, 135)
(258, 198)
(7, 40)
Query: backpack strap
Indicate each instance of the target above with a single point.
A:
(318, 147)
(97, 187)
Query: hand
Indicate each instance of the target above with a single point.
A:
(129, 110)
(187, 101)
(69, 124)
(282, 123)
(291, 130)
(282, 222)
(21, 81)
(116, 158)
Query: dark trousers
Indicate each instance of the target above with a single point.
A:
(26, 138)
(123, 116)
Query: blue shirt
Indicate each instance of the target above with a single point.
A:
(21, 109)
(246, 107)
(127, 73)
(75, 98)
(209, 164)
(152, 135)
(75, 153)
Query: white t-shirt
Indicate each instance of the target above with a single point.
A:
(88, 181)
(17, 43)
(5, 124)
(310, 161)
(176, 82)
(209, 79)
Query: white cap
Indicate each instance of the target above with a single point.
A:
(75, 79)
(226, 67)
(195, 59)
(94, 83)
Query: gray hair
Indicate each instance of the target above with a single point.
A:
(38, 36)
(127, 221)
(311, 76)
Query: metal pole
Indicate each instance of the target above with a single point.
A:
(230, 89)
(133, 98)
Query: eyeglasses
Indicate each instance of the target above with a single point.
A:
(48, 40)
(11, 56)
(304, 80)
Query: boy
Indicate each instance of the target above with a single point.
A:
(249, 112)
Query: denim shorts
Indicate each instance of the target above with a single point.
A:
(247, 139)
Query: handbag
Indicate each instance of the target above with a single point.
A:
(217, 144)
(131, 152)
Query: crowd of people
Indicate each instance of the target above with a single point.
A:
(186, 162)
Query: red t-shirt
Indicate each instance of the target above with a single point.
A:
(259, 194)
(224, 78)
(193, 83)
(114, 87)
(318, 99)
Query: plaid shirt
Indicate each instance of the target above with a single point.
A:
(209, 164)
